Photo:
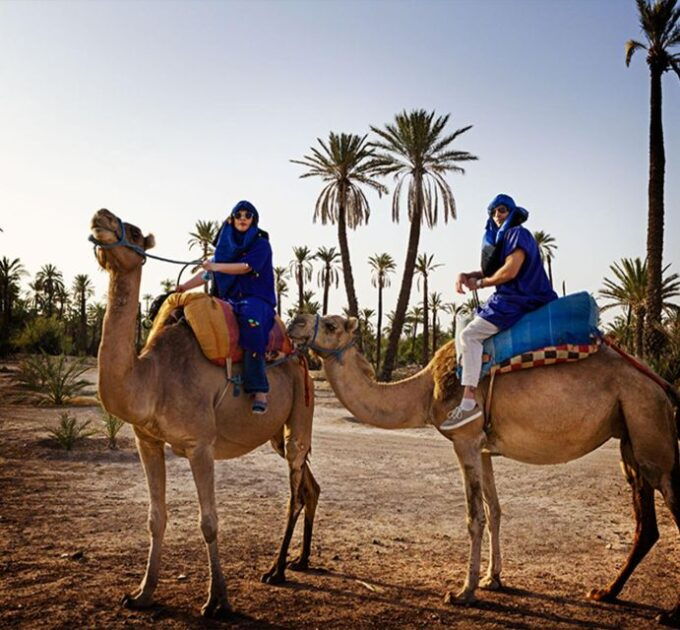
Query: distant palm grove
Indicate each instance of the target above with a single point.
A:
(412, 158)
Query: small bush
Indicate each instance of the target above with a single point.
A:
(55, 378)
(42, 334)
(111, 427)
(69, 431)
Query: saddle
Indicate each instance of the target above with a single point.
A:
(215, 326)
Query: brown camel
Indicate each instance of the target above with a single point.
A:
(546, 415)
(172, 394)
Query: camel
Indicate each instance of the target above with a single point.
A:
(171, 394)
(544, 415)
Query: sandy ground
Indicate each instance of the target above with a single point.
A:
(390, 535)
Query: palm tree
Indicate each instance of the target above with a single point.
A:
(382, 265)
(629, 291)
(82, 289)
(280, 274)
(546, 248)
(329, 273)
(414, 149)
(343, 164)
(366, 330)
(414, 316)
(301, 269)
(660, 24)
(436, 305)
(49, 285)
(167, 285)
(11, 272)
(95, 318)
(424, 267)
(451, 308)
(309, 304)
(204, 235)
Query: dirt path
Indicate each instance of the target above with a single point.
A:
(390, 535)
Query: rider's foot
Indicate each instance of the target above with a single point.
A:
(259, 403)
(459, 417)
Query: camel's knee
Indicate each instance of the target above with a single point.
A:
(296, 453)
(209, 527)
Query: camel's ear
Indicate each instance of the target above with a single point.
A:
(149, 242)
(351, 324)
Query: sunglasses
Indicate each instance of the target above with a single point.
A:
(243, 214)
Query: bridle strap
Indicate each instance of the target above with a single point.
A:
(122, 241)
(336, 353)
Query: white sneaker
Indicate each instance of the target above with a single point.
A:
(457, 418)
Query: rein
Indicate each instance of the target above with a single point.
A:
(336, 353)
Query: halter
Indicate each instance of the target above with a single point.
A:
(122, 240)
(336, 353)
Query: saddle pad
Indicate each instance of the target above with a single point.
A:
(551, 355)
(216, 327)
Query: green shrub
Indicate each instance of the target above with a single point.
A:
(55, 378)
(68, 432)
(111, 427)
(43, 334)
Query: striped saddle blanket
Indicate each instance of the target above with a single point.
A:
(216, 328)
(564, 353)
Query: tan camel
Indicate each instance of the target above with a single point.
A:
(171, 394)
(546, 415)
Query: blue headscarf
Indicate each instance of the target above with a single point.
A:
(231, 244)
(493, 235)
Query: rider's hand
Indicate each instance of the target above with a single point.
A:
(208, 266)
(461, 281)
(471, 284)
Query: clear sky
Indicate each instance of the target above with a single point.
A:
(170, 112)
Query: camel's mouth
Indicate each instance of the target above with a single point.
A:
(298, 332)
(104, 227)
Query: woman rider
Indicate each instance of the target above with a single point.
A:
(243, 275)
(512, 263)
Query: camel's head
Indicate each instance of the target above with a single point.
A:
(106, 229)
(322, 334)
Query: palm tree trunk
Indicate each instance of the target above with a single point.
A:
(426, 325)
(352, 304)
(278, 304)
(655, 217)
(639, 331)
(550, 272)
(301, 288)
(434, 332)
(326, 287)
(406, 284)
(378, 337)
(82, 333)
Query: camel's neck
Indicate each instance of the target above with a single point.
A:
(398, 405)
(119, 366)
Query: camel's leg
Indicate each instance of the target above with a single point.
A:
(646, 531)
(203, 469)
(492, 580)
(310, 497)
(296, 453)
(670, 488)
(153, 460)
(468, 450)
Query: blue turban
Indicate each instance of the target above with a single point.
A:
(493, 235)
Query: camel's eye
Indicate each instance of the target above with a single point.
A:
(331, 327)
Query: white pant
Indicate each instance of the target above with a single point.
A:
(471, 348)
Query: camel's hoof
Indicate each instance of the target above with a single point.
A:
(273, 577)
(217, 609)
(491, 583)
(135, 602)
(601, 595)
(298, 565)
(462, 598)
(669, 618)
